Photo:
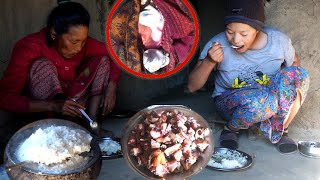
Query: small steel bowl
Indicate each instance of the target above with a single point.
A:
(309, 148)
(116, 155)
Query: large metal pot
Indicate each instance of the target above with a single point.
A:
(146, 173)
(89, 170)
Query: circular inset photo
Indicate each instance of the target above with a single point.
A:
(152, 38)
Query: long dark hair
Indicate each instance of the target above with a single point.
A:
(67, 14)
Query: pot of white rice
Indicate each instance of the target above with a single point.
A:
(53, 148)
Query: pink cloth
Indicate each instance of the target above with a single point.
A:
(178, 32)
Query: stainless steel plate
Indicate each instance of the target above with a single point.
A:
(309, 148)
(114, 155)
(223, 150)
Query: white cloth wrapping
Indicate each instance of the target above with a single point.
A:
(154, 59)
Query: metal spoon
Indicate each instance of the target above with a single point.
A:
(93, 124)
(235, 47)
(18, 165)
(232, 46)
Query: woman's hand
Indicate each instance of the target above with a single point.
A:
(201, 72)
(68, 108)
(110, 98)
(215, 53)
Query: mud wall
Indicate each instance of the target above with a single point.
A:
(301, 22)
(19, 18)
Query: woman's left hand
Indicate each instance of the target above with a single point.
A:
(109, 98)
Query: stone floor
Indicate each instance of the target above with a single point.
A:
(268, 163)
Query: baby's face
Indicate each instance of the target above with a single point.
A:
(150, 27)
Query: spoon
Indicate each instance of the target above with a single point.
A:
(93, 124)
(232, 46)
(18, 165)
(235, 47)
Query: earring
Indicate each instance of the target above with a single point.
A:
(53, 36)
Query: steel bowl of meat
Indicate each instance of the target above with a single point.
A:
(167, 141)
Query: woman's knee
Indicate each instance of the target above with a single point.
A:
(292, 71)
(299, 77)
(105, 62)
(43, 80)
(264, 102)
(42, 64)
(104, 65)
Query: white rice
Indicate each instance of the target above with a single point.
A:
(54, 144)
(110, 147)
(73, 163)
(227, 159)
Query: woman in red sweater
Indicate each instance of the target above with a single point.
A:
(60, 68)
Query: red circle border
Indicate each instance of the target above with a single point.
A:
(153, 76)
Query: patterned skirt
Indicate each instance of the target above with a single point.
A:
(267, 107)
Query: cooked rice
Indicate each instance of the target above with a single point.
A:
(227, 159)
(73, 163)
(54, 144)
(110, 147)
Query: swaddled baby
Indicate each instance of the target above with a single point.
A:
(150, 28)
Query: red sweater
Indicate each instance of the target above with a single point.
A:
(35, 46)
